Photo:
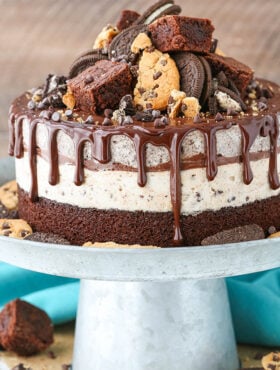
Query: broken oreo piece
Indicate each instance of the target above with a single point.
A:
(191, 73)
(235, 235)
(86, 60)
(159, 9)
(47, 238)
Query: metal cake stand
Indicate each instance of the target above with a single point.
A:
(148, 309)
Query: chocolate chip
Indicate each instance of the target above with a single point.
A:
(271, 366)
(24, 233)
(31, 105)
(68, 113)
(157, 75)
(21, 367)
(231, 112)
(163, 62)
(45, 114)
(89, 120)
(107, 122)
(7, 232)
(108, 113)
(141, 90)
(66, 367)
(271, 230)
(276, 358)
(5, 225)
(258, 356)
(88, 79)
(219, 117)
(51, 354)
(161, 122)
(56, 116)
(197, 118)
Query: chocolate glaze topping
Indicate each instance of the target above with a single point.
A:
(171, 137)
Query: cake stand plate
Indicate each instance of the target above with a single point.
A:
(148, 309)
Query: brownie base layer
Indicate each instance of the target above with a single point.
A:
(80, 225)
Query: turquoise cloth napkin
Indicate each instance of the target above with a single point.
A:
(255, 306)
(58, 296)
(254, 299)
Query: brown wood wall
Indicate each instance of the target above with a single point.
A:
(42, 36)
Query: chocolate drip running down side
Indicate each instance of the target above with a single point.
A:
(171, 137)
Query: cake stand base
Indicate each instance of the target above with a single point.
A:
(180, 325)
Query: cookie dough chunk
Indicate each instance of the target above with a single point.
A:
(105, 37)
(271, 361)
(238, 72)
(101, 86)
(14, 228)
(24, 328)
(9, 195)
(157, 77)
(190, 107)
(178, 33)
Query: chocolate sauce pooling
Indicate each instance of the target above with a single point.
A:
(171, 137)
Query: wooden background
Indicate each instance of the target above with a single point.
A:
(42, 36)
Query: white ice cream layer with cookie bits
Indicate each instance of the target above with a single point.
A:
(118, 189)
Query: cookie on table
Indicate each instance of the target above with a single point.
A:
(24, 328)
(179, 33)
(14, 228)
(9, 200)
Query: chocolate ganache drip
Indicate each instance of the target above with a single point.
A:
(171, 137)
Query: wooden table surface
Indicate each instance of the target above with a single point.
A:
(43, 36)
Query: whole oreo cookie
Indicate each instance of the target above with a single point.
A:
(86, 60)
(121, 44)
(159, 9)
(47, 238)
(191, 73)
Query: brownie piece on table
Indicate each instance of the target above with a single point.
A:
(174, 33)
(101, 86)
(24, 328)
(238, 72)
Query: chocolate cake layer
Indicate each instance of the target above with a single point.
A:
(80, 225)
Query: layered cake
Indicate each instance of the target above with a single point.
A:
(153, 137)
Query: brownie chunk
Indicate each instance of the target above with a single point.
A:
(127, 18)
(24, 328)
(174, 33)
(101, 86)
(238, 72)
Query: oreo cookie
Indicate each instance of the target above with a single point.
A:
(121, 44)
(86, 60)
(207, 87)
(47, 238)
(159, 9)
(191, 72)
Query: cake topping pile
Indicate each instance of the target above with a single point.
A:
(163, 62)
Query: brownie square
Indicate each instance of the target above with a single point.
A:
(174, 33)
(24, 328)
(238, 72)
(101, 86)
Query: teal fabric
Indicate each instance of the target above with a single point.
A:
(255, 306)
(58, 296)
(254, 299)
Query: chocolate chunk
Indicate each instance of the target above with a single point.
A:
(197, 118)
(47, 238)
(219, 117)
(159, 9)
(238, 72)
(108, 113)
(21, 367)
(235, 235)
(191, 73)
(24, 328)
(178, 33)
(127, 18)
(121, 44)
(107, 122)
(7, 213)
(112, 80)
(86, 60)
(89, 120)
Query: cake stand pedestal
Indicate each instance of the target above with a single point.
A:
(148, 309)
